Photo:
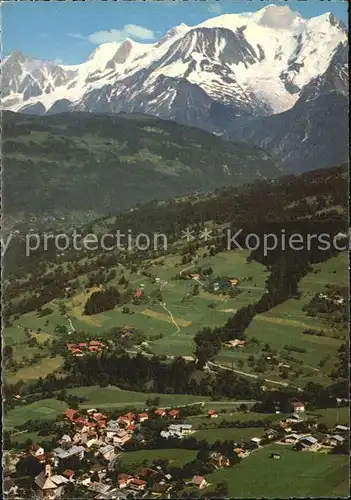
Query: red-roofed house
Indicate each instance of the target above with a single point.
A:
(137, 484)
(137, 293)
(95, 342)
(160, 412)
(69, 414)
(82, 344)
(123, 480)
(94, 348)
(141, 417)
(173, 413)
(37, 452)
(212, 414)
(199, 481)
(68, 473)
(233, 282)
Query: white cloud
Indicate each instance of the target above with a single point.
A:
(215, 8)
(277, 17)
(129, 30)
(58, 61)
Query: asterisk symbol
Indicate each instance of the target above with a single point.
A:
(188, 234)
(206, 234)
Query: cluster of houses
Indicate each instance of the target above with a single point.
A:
(231, 283)
(94, 432)
(78, 350)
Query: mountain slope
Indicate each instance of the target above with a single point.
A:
(314, 131)
(92, 164)
(255, 64)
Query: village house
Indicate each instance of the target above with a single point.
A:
(342, 429)
(195, 276)
(77, 451)
(70, 414)
(297, 406)
(37, 452)
(112, 428)
(121, 437)
(236, 343)
(294, 419)
(233, 282)
(256, 441)
(170, 434)
(123, 480)
(68, 474)
(241, 452)
(291, 438)
(99, 471)
(160, 412)
(308, 443)
(271, 434)
(335, 440)
(276, 456)
(127, 419)
(212, 414)
(142, 417)
(65, 439)
(183, 429)
(137, 484)
(107, 451)
(219, 460)
(199, 481)
(173, 413)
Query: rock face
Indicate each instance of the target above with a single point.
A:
(268, 77)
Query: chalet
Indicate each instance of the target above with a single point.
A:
(215, 287)
(65, 439)
(271, 434)
(166, 434)
(137, 293)
(212, 414)
(121, 437)
(297, 406)
(308, 443)
(112, 428)
(173, 413)
(241, 452)
(142, 417)
(127, 419)
(236, 343)
(123, 480)
(107, 451)
(160, 412)
(74, 451)
(137, 484)
(276, 456)
(291, 438)
(96, 343)
(37, 452)
(100, 419)
(69, 474)
(256, 441)
(218, 460)
(181, 428)
(342, 429)
(195, 276)
(294, 419)
(70, 414)
(335, 440)
(233, 282)
(199, 481)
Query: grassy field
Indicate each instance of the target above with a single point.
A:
(296, 474)
(33, 372)
(234, 416)
(45, 409)
(175, 457)
(285, 323)
(112, 397)
(228, 434)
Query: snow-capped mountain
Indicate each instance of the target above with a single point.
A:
(229, 67)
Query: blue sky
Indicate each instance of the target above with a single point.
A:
(69, 31)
